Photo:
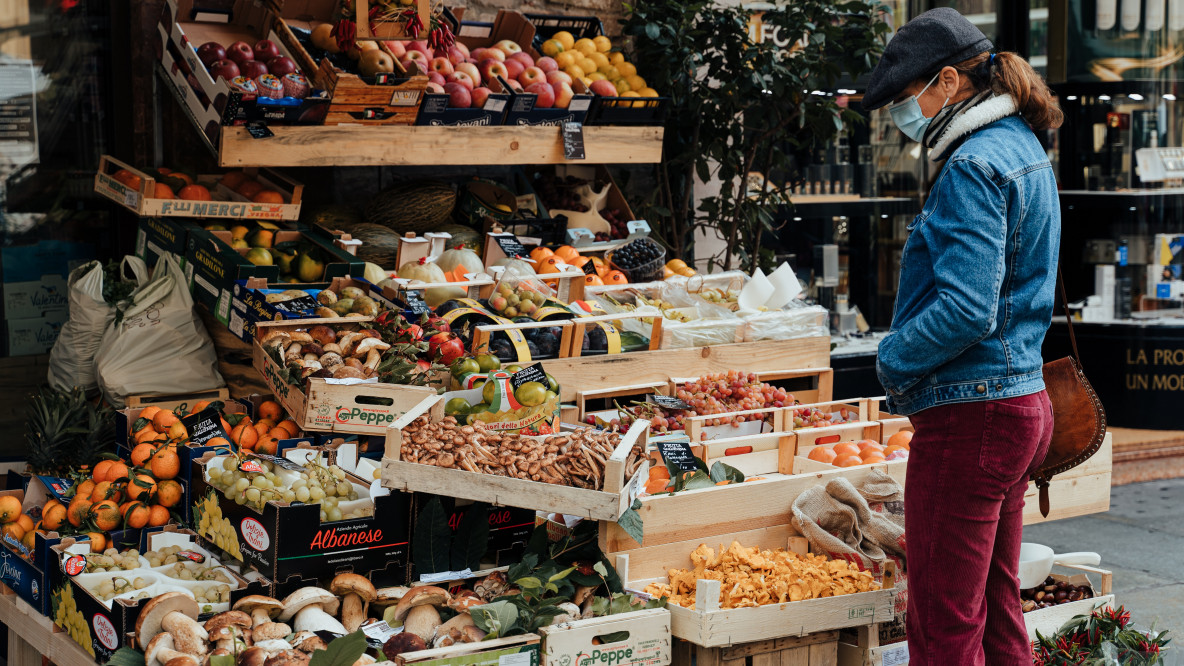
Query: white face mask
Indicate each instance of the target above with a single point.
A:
(909, 118)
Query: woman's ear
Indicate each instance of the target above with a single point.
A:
(949, 82)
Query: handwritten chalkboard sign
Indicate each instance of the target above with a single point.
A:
(678, 454)
(532, 374)
(573, 141)
(666, 401)
(415, 303)
(510, 245)
(258, 130)
(204, 426)
(297, 305)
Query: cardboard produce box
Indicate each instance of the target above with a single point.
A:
(157, 235)
(249, 304)
(509, 530)
(37, 335)
(35, 276)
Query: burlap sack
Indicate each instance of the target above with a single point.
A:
(838, 522)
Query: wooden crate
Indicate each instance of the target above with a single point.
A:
(524, 649)
(174, 401)
(894, 654)
(817, 649)
(710, 626)
(606, 504)
(582, 323)
(578, 642)
(484, 333)
(1081, 491)
(363, 409)
(632, 391)
(1048, 620)
(226, 205)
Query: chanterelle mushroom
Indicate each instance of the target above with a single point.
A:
(357, 593)
(260, 608)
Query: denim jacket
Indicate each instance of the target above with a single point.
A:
(978, 271)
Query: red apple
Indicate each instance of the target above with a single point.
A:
(461, 78)
(470, 69)
(477, 54)
(522, 57)
(226, 69)
(441, 66)
(265, 50)
(508, 47)
(491, 68)
(479, 96)
(240, 52)
(563, 94)
(547, 64)
(417, 55)
(559, 77)
(437, 77)
(604, 88)
(514, 68)
(462, 48)
(459, 96)
(456, 56)
(209, 52)
(252, 69)
(420, 45)
(281, 66)
(414, 65)
(397, 49)
(515, 86)
(494, 53)
(546, 94)
(434, 87)
(532, 75)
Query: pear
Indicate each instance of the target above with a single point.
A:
(238, 232)
(260, 238)
(284, 261)
(308, 269)
(240, 244)
(259, 257)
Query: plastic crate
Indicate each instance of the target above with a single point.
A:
(546, 25)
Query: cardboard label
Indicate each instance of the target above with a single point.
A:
(678, 454)
(254, 534)
(249, 465)
(105, 631)
(378, 633)
(667, 402)
(193, 556)
(534, 373)
(442, 576)
(204, 426)
(520, 659)
(74, 565)
(895, 655)
(258, 130)
(510, 245)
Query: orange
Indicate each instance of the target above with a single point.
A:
(218, 441)
(199, 405)
(146, 435)
(249, 188)
(141, 487)
(106, 515)
(540, 253)
(158, 515)
(567, 253)
(893, 448)
(290, 427)
(278, 433)
(179, 175)
(136, 515)
(99, 473)
(225, 425)
(98, 541)
(268, 197)
(13, 530)
(848, 461)
(169, 493)
(270, 410)
(846, 449)
(267, 445)
(29, 539)
(194, 193)
(902, 439)
(166, 464)
(601, 267)
(178, 431)
(128, 178)
(78, 511)
(84, 489)
(262, 427)
(615, 277)
(53, 516)
(149, 412)
(163, 192)
(548, 265)
(163, 420)
(142, 453)
(869, 445)
(656, 485)
(233, 179)
(25, 522)
(117, 472)
(105, 491)
(823, 454)
(873, 457)
(244, 435)
(578, 261)
(593, 280)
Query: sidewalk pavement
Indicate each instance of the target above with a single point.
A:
(1141, 539)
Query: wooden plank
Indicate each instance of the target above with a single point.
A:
(175, 401)
(466, 649)
(1069, 498)
(648, 640)
(1048, 620)
(602, 372)
(824, 653)
(38, 632)
(410, 145)
(779, 644)
(682, 652)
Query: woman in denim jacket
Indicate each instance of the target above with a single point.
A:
(962, 358)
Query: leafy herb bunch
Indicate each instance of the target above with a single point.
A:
(1103, 637)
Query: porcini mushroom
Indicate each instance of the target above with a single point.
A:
(357, 592)
(452, 631)
(252, 656)
(312, 609)
(160, 650)
(273, 645)
(389, 596)
(260, 608)
(422, 621)
(306, 641)
(269, 631)
(228, 629)
(152, 621)
(183, 660)
(424, 595)
(287, 658)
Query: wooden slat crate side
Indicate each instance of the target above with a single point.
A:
(429, 657)
(175, 401)
(1069, 498)
(649, 640)
(896, 654)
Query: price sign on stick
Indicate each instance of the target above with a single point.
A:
(678, 454)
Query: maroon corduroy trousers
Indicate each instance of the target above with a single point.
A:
(964, 502)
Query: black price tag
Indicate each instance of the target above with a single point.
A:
(327, 636)
(666, 401)
(511, 246)
(258, 130)
(204, 426)
(532, 374)
(415, 303)
(590, 267)
(678, 454)
(297, 305)
(573, 141)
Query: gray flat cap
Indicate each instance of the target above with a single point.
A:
(930, 41)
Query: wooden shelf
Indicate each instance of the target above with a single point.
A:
(410, 145)
(32, 635)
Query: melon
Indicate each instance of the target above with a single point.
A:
(418, 206)
(379, 244)
(339, 217)
(463, 257)
(462, 235)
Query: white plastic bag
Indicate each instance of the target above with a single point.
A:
(72, 359)
(159, 346)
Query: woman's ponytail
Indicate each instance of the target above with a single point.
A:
(1007, 73)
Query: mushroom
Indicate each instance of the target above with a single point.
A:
(306, 641)
(305, 597)
(322, 334)
(570, 612)
(287, 658)
(273, 645)
(160, 650)
(389, 596)
(492, 586)
(369, 344)
(293, 353)
(270, 631)
(183, 660)
(348, 372)
(252, 656)
(152, 621)
(276, 339)
(357, 592)
(473, 634)
(402, 643)
(346, 342)
(364, 660)
(261, 608)
(582, 593)
(452, 631)
(373, 359)
(462, 604)
(422, 621)
(228, 628)
(312, 618)
(331, 347)
(423, 595)
(300, 336)
(352, 362)
(331, 361)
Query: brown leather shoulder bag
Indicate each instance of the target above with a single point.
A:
(1079, 422)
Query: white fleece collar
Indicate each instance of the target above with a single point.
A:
(983, 113)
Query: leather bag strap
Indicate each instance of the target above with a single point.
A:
(1068, 317)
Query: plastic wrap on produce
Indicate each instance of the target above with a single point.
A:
(690, 321)
(796, 320)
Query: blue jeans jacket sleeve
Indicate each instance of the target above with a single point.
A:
(966, 233)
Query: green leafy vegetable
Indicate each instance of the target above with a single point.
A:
(723, 472)
(497, 619)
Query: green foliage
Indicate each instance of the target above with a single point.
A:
(1103, 637)
(738, 106)
(126, 656)
(341, 651)
(64, 431)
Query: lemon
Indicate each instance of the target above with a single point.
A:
(616, 58)
(566, 59)
(574, 71)
(565, 38)
(611, 73)
(635, 82)
(552, 47)
(623, 87)
(601, 61)
(648, 92)
(626, 69)
(603, 44)
(596, 76)
(586, 46)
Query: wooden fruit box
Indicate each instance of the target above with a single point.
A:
(1048, 620)
(1081, 491)
(609, 322)
(525, 650)
(226, 204)
(773, 418)
(326, 404)
(579, 642)
(629, 392)
(818, 649)
(809, 439)
(175, 401)
(606, 504)
(516, 332)
(894, 654)
(610, 370)
(710, 626)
